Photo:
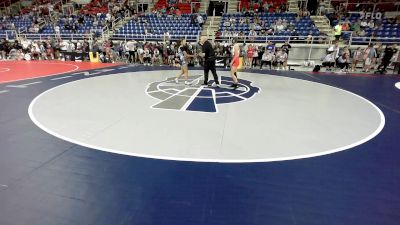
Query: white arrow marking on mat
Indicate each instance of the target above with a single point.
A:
(24, 85)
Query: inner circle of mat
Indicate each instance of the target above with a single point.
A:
(288, 119)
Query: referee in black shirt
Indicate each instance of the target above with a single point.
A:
(209, 60)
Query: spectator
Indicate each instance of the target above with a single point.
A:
(390, 51)
(147, 57)
(281, 58)
(309, 37)
(250, 54)
(178, 12)
(227, 23)
(357, 57)
(356, 26)
(241, 36)
(200, 20)
(270, 47)
(343, 63)
(167, 36)
(329, 61)
(345, 26)
(371, 24)
(364, 24)
(368, 56)
(252, 35)
(338, 31)
(267, 58)
(379, 52)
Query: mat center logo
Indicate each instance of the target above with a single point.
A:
(198, 98)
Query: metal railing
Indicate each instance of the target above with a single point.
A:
(8, 34)
(372, 40)
(309, 40)
(374, 5)
(154, 37)
(34, 36)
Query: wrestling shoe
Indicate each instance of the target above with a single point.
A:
(176, 81)
(214, 85)
(234, 86)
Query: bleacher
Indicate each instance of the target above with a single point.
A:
(381, 5)
(48, 29)
(93, 9)
(178, 27)
(87, 26)
(388, 33)
(246, 4)
(6, 34)
(185, 8)
(304, 26)
(20, 23)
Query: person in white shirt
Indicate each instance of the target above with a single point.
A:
(156, 57)
(25, 44)
(57, 31)
(364, 24)
(71, 47)
(140, 52)
(281, 57)
(64, 45)
(357, 57)
(252, 35)
(280, 27)
(371, 24)
(329, 61)
(146, 57)
(131, 48)
(167, 36)
(108, 17)
(335, 49)
(267, 58)
(200, 20)
(50, 7)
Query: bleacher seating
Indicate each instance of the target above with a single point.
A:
(383, 5)
(93, 8)
(387, 33)
(20, 23)
(304, 26)
(246, 4)
(6, 34)
(178, 27)
(87, 26)
(185, 8)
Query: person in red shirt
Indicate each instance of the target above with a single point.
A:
(250, 55)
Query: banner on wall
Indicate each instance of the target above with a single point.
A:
(75, 56)
(369, 16)
(221, 62)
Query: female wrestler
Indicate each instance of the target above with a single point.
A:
(234, 65)
(183, 61)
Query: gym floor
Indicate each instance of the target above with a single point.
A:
(98, 144)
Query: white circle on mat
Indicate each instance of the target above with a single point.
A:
(290, 119)
(397, 85)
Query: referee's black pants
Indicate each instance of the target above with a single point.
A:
(210, 65)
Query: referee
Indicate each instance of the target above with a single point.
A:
(209, 60)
